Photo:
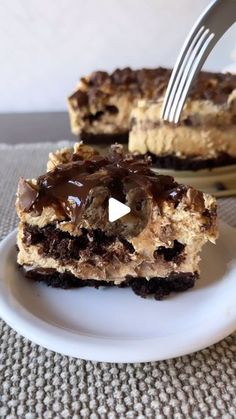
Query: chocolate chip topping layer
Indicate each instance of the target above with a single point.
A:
(150, 84)
(67, 188)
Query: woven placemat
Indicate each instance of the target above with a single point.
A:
(37, 383)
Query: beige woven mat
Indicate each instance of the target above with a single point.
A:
(37, 383)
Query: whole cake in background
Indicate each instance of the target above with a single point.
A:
(125, 106)
(66, 239)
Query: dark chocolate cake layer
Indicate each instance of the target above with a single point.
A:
(61, 245)
(155, 287)
(188, 163)
(90, 138)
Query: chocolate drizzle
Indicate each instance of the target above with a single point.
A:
(68, 187)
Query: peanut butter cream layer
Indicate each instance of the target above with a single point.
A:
(205, 131)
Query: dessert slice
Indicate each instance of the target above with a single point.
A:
(205, 135)
(101, 105)
(65, 237)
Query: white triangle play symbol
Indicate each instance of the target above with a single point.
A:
(116, 209)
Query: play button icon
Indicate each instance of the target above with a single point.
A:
(116, 209)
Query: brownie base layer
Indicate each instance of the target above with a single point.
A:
(90, 138)
(177, 163)
(156, 287)
(61, 245)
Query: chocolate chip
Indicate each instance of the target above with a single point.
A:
(112, 109)
(170, 253)
(188, 122)
(133, 122)
(124, 76)
(82, 98)
(94, 117)
(127, 245)
(98, 78)
(220, 186)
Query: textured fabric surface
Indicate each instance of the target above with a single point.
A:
(37, 383)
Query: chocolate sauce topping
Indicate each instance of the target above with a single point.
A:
(27, 194)
(67, 188)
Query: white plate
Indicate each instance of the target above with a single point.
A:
(116, 325)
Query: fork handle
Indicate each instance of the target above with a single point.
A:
(225, 10)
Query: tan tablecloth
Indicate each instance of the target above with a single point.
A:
(37, 383)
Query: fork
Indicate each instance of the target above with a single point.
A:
(209, 28)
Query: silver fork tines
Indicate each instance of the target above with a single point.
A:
(178, 71)
(204, 35)
(188, 77)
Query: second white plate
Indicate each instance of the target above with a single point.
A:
(116, 325)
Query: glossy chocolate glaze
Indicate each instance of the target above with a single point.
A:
(67, 188)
